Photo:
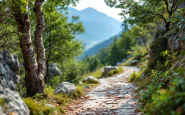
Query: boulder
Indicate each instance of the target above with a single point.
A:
(133, 62)
(107, 69)
(12, 103)
(90, 79)
(124, 60)
(65, 88)
(53, 71)
(118, 63)
(9, 68)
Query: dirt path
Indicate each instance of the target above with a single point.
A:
(114, 96)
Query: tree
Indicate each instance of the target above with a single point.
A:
(27, 13)
(147, 11)
(59, 36)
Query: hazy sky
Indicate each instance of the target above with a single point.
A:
(100, 6)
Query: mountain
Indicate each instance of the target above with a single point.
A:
(95, 49)
(99, 27)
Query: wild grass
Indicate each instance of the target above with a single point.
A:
(38, 106)
(114, 72)
(97, 74)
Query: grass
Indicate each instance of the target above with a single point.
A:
(114, 72)
(97, 74)
(38, 106)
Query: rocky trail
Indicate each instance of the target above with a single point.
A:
(114, 96)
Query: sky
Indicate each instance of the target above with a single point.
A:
(100, 6)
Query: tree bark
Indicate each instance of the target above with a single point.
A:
(34, 68)
(145, 44)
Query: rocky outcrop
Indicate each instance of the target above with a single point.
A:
(53, 71)
(65, 88)
(9, 70)
(90, 79)
(107, 69)
(12, 104)
(176, 42)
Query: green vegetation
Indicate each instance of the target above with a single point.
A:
(114, 72)
(97, 73)
(153, 39)
(39, 106)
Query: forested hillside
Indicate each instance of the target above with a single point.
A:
(99, 27)
(95, 49)
(140, 70)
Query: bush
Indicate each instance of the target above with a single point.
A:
(163, 97)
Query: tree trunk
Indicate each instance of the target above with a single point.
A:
(145, 44)
(34, 68)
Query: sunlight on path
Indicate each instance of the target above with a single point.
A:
(114, 96)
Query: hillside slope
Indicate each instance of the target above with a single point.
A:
(98, 26)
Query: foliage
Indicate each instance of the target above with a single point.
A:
(73, 70)
(92, 62)
(160, 95)
(137, 52)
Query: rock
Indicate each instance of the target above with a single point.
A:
(2, 111)
(13, 103)
(90, 79)
(124, 60)
(118, 63)
(65, 88)
(50, 105)
(107, 69)
(80, 82)
(9, 68)
(12, 61)
(53, 71)
(133, 62)
(88, 86)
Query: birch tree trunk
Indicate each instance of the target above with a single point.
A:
(34, 67)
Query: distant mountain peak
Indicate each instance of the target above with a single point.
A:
(90, 9)
(98, 25)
